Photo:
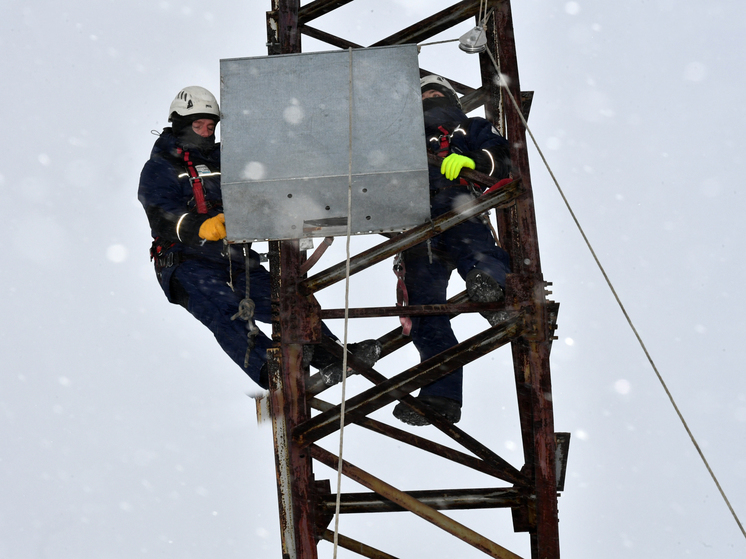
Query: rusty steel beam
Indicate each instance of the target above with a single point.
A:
(530, 353)
(399, 386)
(328, 38)
(526, 259)
(439, 499)
(289, 407)
(418, 442)
(283, 35)
(318, 8)
(416, 235)
(473, 100)
(412, 310)
(386, 390)
(507, 471)
(356, 546)
(390, 342)
(433, 25)
(282, 443)
(413, 505)
(293, 324)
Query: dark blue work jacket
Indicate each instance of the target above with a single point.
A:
(475, 138)
(167, 195)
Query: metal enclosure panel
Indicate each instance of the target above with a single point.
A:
(287, 147)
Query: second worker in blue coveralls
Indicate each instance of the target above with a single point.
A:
(468, 248)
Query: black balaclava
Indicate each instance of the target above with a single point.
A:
(188, 138)
(432, 102)
(450, 100)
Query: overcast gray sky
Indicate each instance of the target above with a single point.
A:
(126, 431)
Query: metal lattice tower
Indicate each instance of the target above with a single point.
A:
(306, 505)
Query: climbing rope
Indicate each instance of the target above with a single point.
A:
(346, 321)
(246, 309)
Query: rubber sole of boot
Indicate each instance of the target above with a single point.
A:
(482, 288)
(367, 351)
(449, 409)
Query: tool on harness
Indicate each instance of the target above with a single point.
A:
(402, 297)
(246, 309)
(159, 257)
(199, 194)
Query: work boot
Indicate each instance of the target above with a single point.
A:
(482, 288)
(367, 351)
(448, 408)
(264, 376)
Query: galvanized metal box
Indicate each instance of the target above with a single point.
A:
(297, 130)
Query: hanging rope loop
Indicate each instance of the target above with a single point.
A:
(245, 310)
(247, 307)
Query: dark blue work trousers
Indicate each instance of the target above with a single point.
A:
(465, 247)
(202, 287)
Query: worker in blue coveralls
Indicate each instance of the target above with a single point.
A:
(468, 248)
(180, 191)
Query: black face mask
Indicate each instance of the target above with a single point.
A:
(189, 139)
(432, 102)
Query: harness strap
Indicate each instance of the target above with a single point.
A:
(445, 142)
(444, 148)
(199, 194)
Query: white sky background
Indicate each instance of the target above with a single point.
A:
(127, 433)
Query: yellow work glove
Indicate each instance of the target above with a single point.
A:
(213, 229)
(453, 164)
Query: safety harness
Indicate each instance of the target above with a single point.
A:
(199, 194)
(444, 147)
(160, 246)
(445, 142)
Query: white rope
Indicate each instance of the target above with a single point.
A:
(482, 12)
(504, 85)
(437, 43)
(347, 308)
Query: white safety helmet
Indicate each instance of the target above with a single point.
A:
(439, 83)
(194, 102)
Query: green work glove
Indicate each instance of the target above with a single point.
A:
(453, 164)
(213, 229)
